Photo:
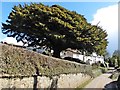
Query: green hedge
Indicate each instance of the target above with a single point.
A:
(96, 72)
(20, 61)
(115, 75)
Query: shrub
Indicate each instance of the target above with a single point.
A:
(102, 65)
(115, 75)
(20, 61)
(96, 72)
(94, 66)
(104, 70)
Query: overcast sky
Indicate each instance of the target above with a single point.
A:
(104, 12)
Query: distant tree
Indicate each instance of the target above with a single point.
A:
(55, 28)
(107, 56)
(115, 59)
(116, 54)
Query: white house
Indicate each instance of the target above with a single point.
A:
(93, 58)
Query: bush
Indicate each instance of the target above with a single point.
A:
(104, 70)
(118, 69)
(115, 75)
(96, 72)
(20, 61)
(102, 65)
(94, 66)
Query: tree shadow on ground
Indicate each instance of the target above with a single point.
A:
(115, 85)
(111, 86)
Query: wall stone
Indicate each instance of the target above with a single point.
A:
(72, 80)
(44, 82)
(61, 81)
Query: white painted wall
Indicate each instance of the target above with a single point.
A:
(78, 56)
(92, 59)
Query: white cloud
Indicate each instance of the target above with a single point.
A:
(11, 40)
(108, 18)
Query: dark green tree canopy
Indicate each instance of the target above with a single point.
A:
(54, 27)
(115, 59)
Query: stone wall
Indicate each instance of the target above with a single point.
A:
(72, 80)
(61, 81)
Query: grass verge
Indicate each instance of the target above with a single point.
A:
(96, 72)
(80, 87)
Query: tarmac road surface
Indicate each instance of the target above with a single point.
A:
(99, 82)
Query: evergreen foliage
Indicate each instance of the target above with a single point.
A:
(55, 28)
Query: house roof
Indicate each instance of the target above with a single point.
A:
(73, 50)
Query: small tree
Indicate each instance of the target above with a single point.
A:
(115, 59)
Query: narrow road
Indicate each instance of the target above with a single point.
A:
(100, 81)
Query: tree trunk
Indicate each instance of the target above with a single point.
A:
(56, 53)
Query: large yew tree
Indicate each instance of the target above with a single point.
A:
(54, 27)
